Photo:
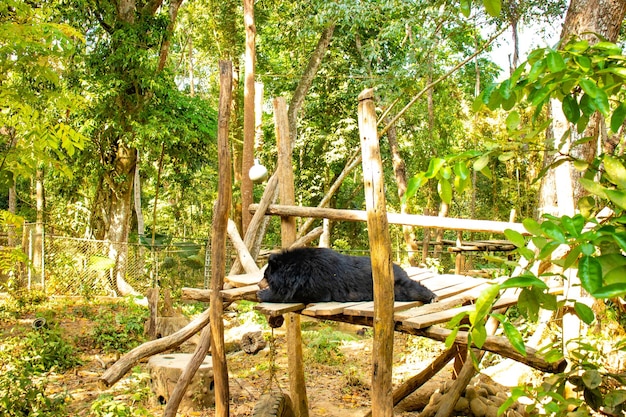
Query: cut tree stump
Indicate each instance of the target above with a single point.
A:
(165, 371)
(253, 342)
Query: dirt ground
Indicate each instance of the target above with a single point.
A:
(337, 369)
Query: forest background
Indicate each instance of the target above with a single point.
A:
(108, 113)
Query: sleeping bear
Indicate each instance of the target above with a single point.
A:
(307, 275)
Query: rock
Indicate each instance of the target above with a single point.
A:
(491, 411)
(420, 398)
(478, 407)
(470, 393)
(462, 406)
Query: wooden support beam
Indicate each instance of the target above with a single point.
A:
(434, 222)
(382, 265)
(494, 344)
(297, 384)
(242, 251)
(218, 245)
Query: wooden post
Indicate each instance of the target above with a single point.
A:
(382, 265)
(218, 243)
(297, 384)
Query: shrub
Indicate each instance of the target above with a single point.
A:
(120, 331)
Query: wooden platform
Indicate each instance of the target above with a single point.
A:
(456, 293)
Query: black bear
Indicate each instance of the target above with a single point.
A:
(307, 275)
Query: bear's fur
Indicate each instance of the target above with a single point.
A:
(307, 275)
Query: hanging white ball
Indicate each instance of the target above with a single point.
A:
(257, 172)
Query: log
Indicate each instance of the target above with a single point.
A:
(218, 246)
(415, 382)
(242, 251)
(126, 362)
(253, 342)
(256, 229)
(381, 258)
(297, 384)
(152, 294)
(435, 222)
(308, 238)
(495, 344)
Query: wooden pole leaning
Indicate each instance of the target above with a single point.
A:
(382, 265)
(297, 384)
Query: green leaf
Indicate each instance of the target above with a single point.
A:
(615, 398)
(570, 108)
(483, 305)
(615, 171)
(593, 187)
(601, 102)
(451, 337)
(532, 226)
(466, 7)
(618, 116)
(444, 189)
(414, 184)
(481, 162)
(553, 231)
(618, 197)
(479, 335)
(514, 337)
(461, 170)
(515, 237)
(615, 275)
(493, 7)
(555, 62)
(590, 274)
(434, 166)
(589, 87)
(523, 281)
(528, 304)
(513, 120)
(553, 355)
(610, 291)
(592, 379)
(569, 226)
(446, 172)
(456, 320)
(571, 257)
(584, 312)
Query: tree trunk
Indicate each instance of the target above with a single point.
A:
(120, 213)
(558, 192)
(247, 159)
(584, 18)
(307, 79)
(39, 228)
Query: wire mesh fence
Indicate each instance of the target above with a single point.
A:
(82, 267)
(63, 265)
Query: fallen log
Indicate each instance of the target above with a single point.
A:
(126, 362)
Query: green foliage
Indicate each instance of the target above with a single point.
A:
(25, 362)
(324, 345)
(596, 387)
(45, 349)
(120, 331)
(584, 77)
(23, 394)
(106, 405)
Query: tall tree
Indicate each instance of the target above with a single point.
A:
(592, 20)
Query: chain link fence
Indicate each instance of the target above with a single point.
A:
(63, 265)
